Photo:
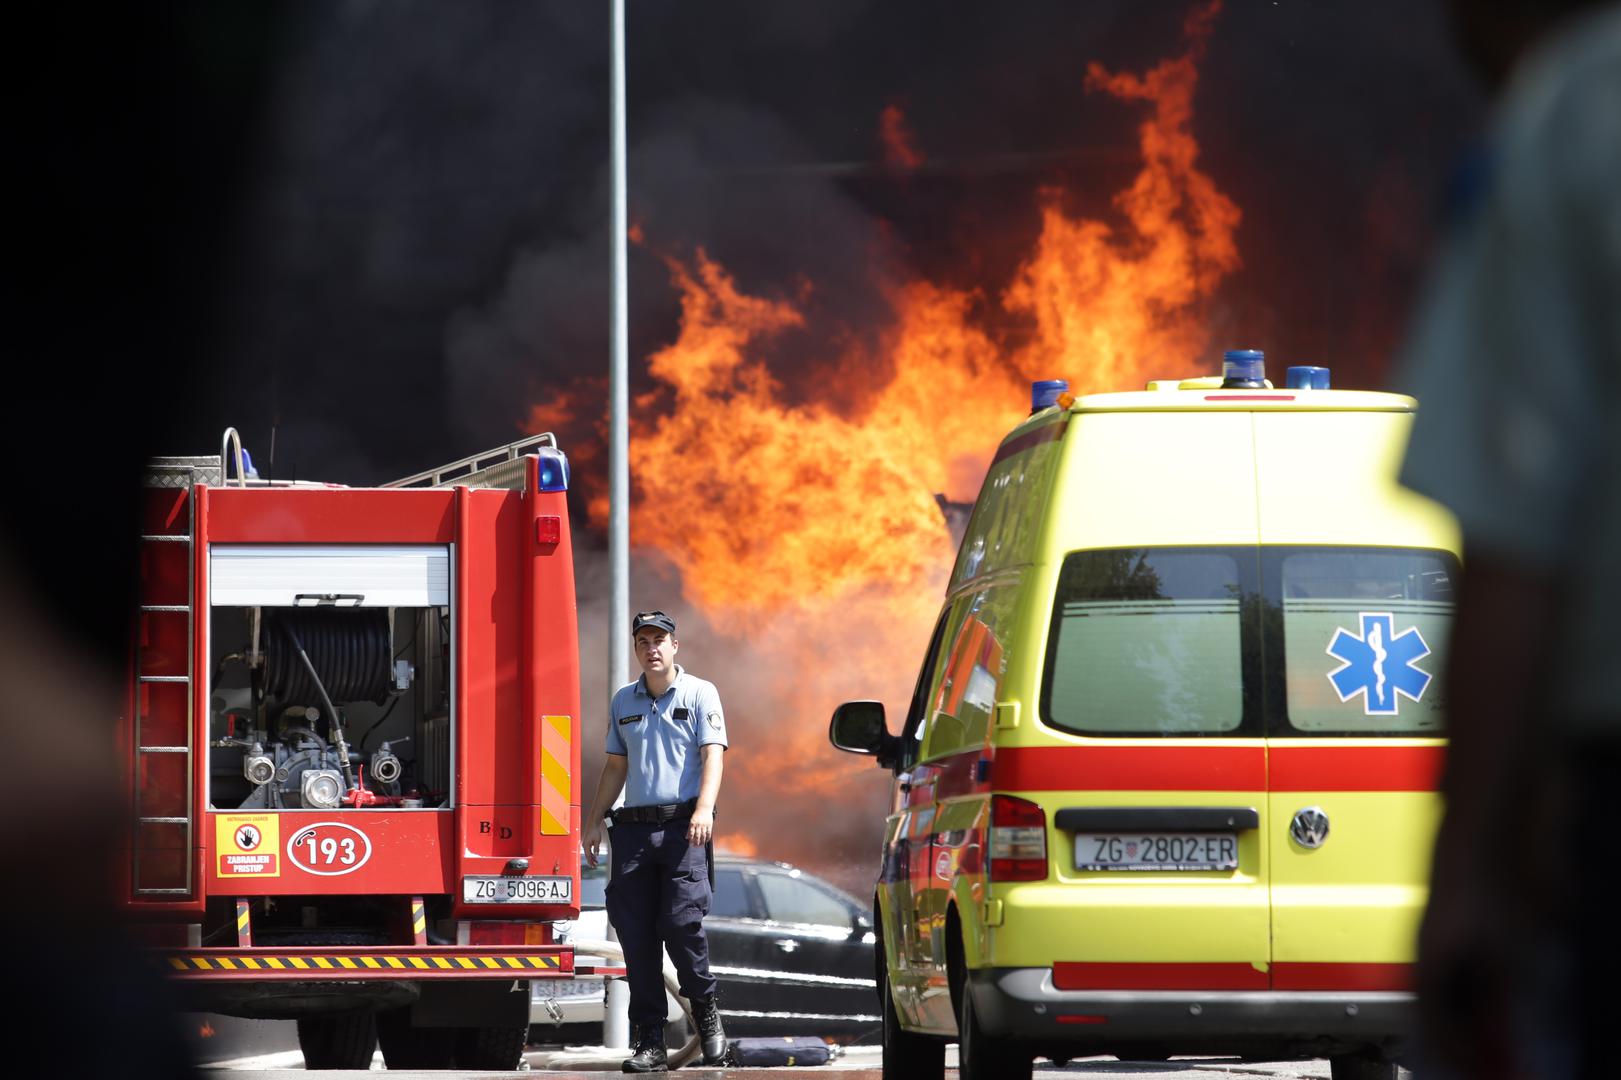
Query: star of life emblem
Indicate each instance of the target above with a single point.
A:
(1379, 664)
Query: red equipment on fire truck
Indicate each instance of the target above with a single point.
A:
(353, 750)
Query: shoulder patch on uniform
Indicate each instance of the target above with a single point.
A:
(714, 720)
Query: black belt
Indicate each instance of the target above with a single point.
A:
(653, 815)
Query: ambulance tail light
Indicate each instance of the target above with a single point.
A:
(1018, 840)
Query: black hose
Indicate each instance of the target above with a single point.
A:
(349, 652)
(334, 724)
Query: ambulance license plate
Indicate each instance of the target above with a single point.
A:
(517, 890)
(1156, 851)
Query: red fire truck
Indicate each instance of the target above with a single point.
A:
(353, 754)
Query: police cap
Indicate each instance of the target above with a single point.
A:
(652, 618)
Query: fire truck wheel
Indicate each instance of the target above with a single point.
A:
(493, 1048)
(338, 1040)
(408, 1047)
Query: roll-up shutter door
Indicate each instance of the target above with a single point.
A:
(361, 575)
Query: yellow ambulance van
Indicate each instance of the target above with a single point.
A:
(1167, 780)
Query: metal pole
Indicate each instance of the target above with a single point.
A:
(616, 1022)
(618, 388)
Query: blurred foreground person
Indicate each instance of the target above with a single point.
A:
(127, 131)
(1516, 361)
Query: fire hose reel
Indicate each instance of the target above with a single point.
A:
(316, 661)
(350, 648)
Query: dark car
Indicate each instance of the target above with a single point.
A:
(793, 955)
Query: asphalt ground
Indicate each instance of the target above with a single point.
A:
(859, 1063)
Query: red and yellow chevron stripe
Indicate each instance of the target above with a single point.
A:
(373, 964)
(556, 788)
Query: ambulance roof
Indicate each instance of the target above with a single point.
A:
(1180, 396)
(1206, 395)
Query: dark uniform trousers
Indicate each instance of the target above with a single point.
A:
(659, 892)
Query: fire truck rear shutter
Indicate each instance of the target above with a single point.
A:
(286, 575)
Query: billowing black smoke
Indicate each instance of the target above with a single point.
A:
(426, 255)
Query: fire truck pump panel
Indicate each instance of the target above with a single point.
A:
(330, 707)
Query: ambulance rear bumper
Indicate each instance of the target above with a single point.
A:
(1024, 1003)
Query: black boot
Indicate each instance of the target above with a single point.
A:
(647, 1042)
(711, 1036)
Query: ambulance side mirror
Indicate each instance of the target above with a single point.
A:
(858, 727)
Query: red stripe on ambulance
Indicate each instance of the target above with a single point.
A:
(1389, 978)
(1130, 768)
(1218, 976)
(1218, 768)
(1373, 977)
(1356, 768)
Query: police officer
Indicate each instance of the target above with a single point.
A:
(665, 741)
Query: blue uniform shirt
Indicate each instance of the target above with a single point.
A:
(661, 737)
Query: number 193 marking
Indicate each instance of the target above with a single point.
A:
(329, 848)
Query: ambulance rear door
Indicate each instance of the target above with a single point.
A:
(1359, 577)
(1152, 768)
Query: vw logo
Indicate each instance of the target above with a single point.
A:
(1310, 827)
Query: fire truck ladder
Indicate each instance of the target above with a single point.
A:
(171, 474)
(499, 468)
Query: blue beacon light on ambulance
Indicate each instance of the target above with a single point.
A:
(1307, 377)
(1243, 369)
(1044, 393)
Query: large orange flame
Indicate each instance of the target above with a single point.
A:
(1115, 305)
(810, 533)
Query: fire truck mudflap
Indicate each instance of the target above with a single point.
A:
(353, 746)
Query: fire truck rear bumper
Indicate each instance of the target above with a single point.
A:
(367, 964)
(1022, 1002)
(270, 983)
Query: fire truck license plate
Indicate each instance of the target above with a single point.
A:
(1156, 851)
(517, 890)
(562, 988)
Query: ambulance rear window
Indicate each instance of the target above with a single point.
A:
(1148, 642)
(1365, 632)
